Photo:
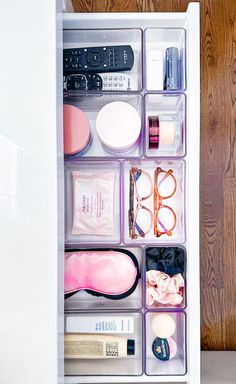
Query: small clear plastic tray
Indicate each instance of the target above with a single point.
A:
(84, 301)
(169, 108)
(96, 203)
(81, 38)
(174, 260)
(156, 42)
(131, 365)
(175, 365)
(145, 187)
(91, 105)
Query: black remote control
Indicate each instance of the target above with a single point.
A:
(99, 59)
(82, 82)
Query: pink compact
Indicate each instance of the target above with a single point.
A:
(77, 134)
(113, 274)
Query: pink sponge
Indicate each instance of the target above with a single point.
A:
(163, 325)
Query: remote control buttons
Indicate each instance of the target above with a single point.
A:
(75, 59)
(76, 82)
(94, 58)
(72, 63)
(112, 56)
(94, 82)
(82, 82)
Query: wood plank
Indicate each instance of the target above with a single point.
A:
(167, 6)
(213, 331)
(229, 299)
(109, 6)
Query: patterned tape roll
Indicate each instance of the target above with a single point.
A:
(153, 123)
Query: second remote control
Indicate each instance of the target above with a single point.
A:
(82, 82)
(99, 59)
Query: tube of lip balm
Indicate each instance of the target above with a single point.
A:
(78, 346)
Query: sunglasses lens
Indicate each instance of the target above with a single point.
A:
(143, 184)
(143, 222)
(165, 220)
(165, 184)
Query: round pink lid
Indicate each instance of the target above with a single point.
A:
(76, 130)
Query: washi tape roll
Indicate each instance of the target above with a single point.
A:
(164, 131)
(153, 126)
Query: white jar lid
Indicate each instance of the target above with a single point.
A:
(118, 125)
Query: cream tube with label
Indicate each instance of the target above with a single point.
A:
(100, 324)
(83, 346)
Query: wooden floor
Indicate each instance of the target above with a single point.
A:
(218, 157)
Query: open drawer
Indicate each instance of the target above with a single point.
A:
(158, 30)
(32, 201)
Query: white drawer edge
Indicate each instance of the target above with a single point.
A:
(126, 379)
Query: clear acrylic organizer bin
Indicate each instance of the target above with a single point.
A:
(131, 365)
(156, 42)
(95, 204)
(85, 301)
(170, 263)
(176, 364)
(81, 38)
(170, 111)
(144, 208)
(91, 105)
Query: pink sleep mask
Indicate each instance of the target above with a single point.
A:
(113, 274)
